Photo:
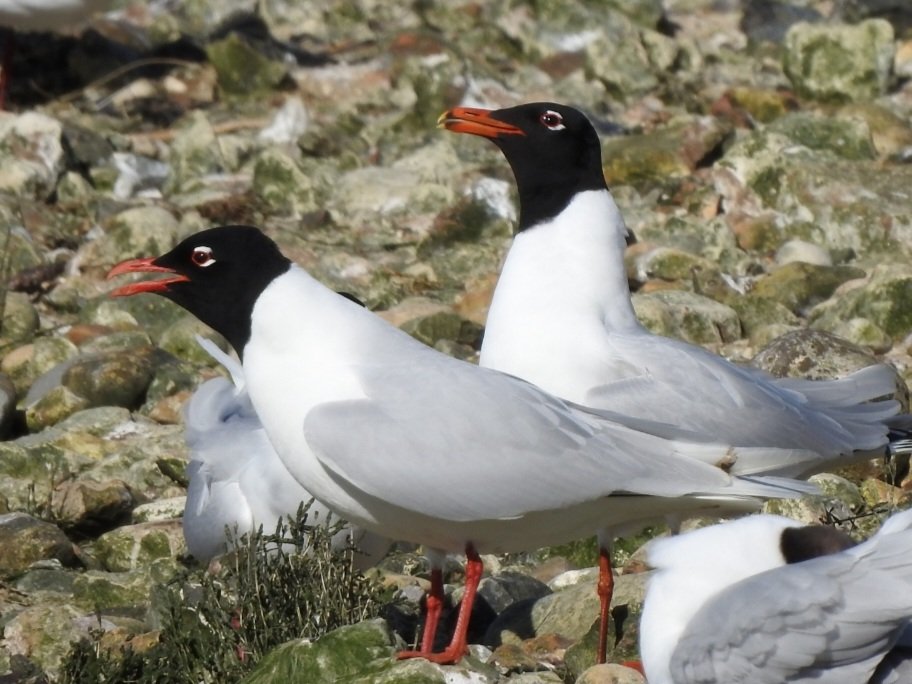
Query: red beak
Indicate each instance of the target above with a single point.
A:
(143, 266)
(476, 122)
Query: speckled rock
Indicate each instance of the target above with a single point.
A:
(24, 540)
(830, 62)
(864, 333)
(242, 70)
(812, 354)
(111, 378)
(54, 405)
(43, 633)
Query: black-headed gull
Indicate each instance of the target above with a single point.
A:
(763, 600)
(410, 443)
(237, 482)
(561, 317)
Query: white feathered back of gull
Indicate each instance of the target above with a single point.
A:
(724, 607)
(237, 480)
(47, 15)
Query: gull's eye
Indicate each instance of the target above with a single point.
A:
(202, 256)
(552, 121)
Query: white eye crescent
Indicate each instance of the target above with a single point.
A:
(202, 256)
(552, 120)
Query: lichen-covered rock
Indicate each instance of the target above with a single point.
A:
(444, 325)
(807, 252)
(136, 232)
(798, 285)
(687, 316)
(343, 653)
(124, 593)
(839, 63)
(884, 298)
(134, 546)
(43, 633)
(282, 185)
(19, 322)
(242, 70)
(849, 138)
(864, 333)
(668, 153)
(757, 312)
(24, 540)
(53, 406)
(32, 152)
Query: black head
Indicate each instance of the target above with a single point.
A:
(803, 543)
(553, 150)
(217, 275)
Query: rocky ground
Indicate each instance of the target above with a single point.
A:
(760, 153)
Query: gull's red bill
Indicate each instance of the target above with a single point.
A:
(146, 265)
(477, 122)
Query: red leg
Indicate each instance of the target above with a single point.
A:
(9, 47)
(432, 614)
(458, 645)
(605, 590)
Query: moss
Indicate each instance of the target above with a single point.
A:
(768, 184)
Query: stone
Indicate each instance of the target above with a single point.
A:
(242, 70)
(33, 154)
(160, 510)
(132, 547)
(864, 333)
(506, 588)
(111, 378)
(802, 251)
(840, 62)
(884, 298)
(849, 138)
(282, 185)
(610, 673)
(19, 320)
(139, 231)
(195, 153)
(687, 316)
(756, 312)
(799, 285)
(341, 654)
(666, 154)
(55, 405)
(25, 540)
(444, 325)
(87, 505)
(43, 633)
(812, 354)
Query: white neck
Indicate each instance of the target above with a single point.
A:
(563, 283)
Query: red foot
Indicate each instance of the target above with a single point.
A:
(459, 644)
(448, 656)
(434, 605)
(634, 665)
(605, 592)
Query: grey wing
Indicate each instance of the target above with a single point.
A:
(460, 442)
(697, 392)
(830, 619)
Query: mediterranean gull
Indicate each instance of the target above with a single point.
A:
(561, 317)
(237, 482)
(763, 600)
(412, 444)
